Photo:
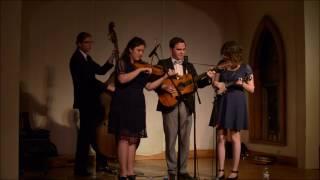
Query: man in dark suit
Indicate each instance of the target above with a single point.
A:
(87, 91)
(170, 114)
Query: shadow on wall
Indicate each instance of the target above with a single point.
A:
(39, 115)
(30, 105)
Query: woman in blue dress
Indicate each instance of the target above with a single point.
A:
(231, 111)
(128, 109)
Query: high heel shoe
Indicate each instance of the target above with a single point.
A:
(132, 177)
(233, 178)
(221, 177)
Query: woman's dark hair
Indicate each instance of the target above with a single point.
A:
(125, 56)
(233, 51)
(82, 36)
(174, 41)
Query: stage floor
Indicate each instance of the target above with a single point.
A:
(156, 170)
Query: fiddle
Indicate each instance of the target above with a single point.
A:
(157, 70)
(204, 80)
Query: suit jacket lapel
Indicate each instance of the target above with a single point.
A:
(170, 64)
(81, 55)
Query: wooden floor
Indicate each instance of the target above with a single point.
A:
(156, 170)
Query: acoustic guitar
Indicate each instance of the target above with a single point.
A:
(185, 84)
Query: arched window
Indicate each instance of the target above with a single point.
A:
(268, 103)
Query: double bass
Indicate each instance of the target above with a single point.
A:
(106, 142)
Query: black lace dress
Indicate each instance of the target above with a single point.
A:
(127, 117)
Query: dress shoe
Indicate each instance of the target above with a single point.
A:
(186, 176)
(107, 169)
(172, 177)
(82, 173)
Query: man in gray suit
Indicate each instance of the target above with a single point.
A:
(185, 107)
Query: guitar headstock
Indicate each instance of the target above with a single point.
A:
(112, 33)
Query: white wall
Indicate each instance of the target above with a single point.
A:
(49, 30)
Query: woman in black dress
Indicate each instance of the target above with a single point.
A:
(231, 113)
(128, 111)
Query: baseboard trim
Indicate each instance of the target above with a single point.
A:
(68, 160)
(161, 156)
